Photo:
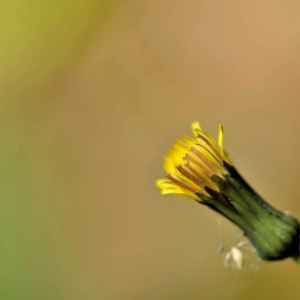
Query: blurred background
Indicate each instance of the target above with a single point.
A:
(93, 93)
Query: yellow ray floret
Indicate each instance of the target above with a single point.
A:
(191, 163)
(167, 186)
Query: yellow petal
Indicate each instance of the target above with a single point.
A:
(221, 139)
(167, 186)
(196, 128)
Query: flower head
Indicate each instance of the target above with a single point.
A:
(192, 162)
(197, 166)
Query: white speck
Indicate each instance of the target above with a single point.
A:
(234, 258)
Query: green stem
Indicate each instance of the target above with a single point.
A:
(273, 233)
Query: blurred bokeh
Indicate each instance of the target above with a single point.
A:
(93, 93)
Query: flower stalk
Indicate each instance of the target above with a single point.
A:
(200, 168)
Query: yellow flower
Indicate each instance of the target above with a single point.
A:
(197, 166)
(192, 162)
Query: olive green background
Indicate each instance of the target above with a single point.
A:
(93, 93)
